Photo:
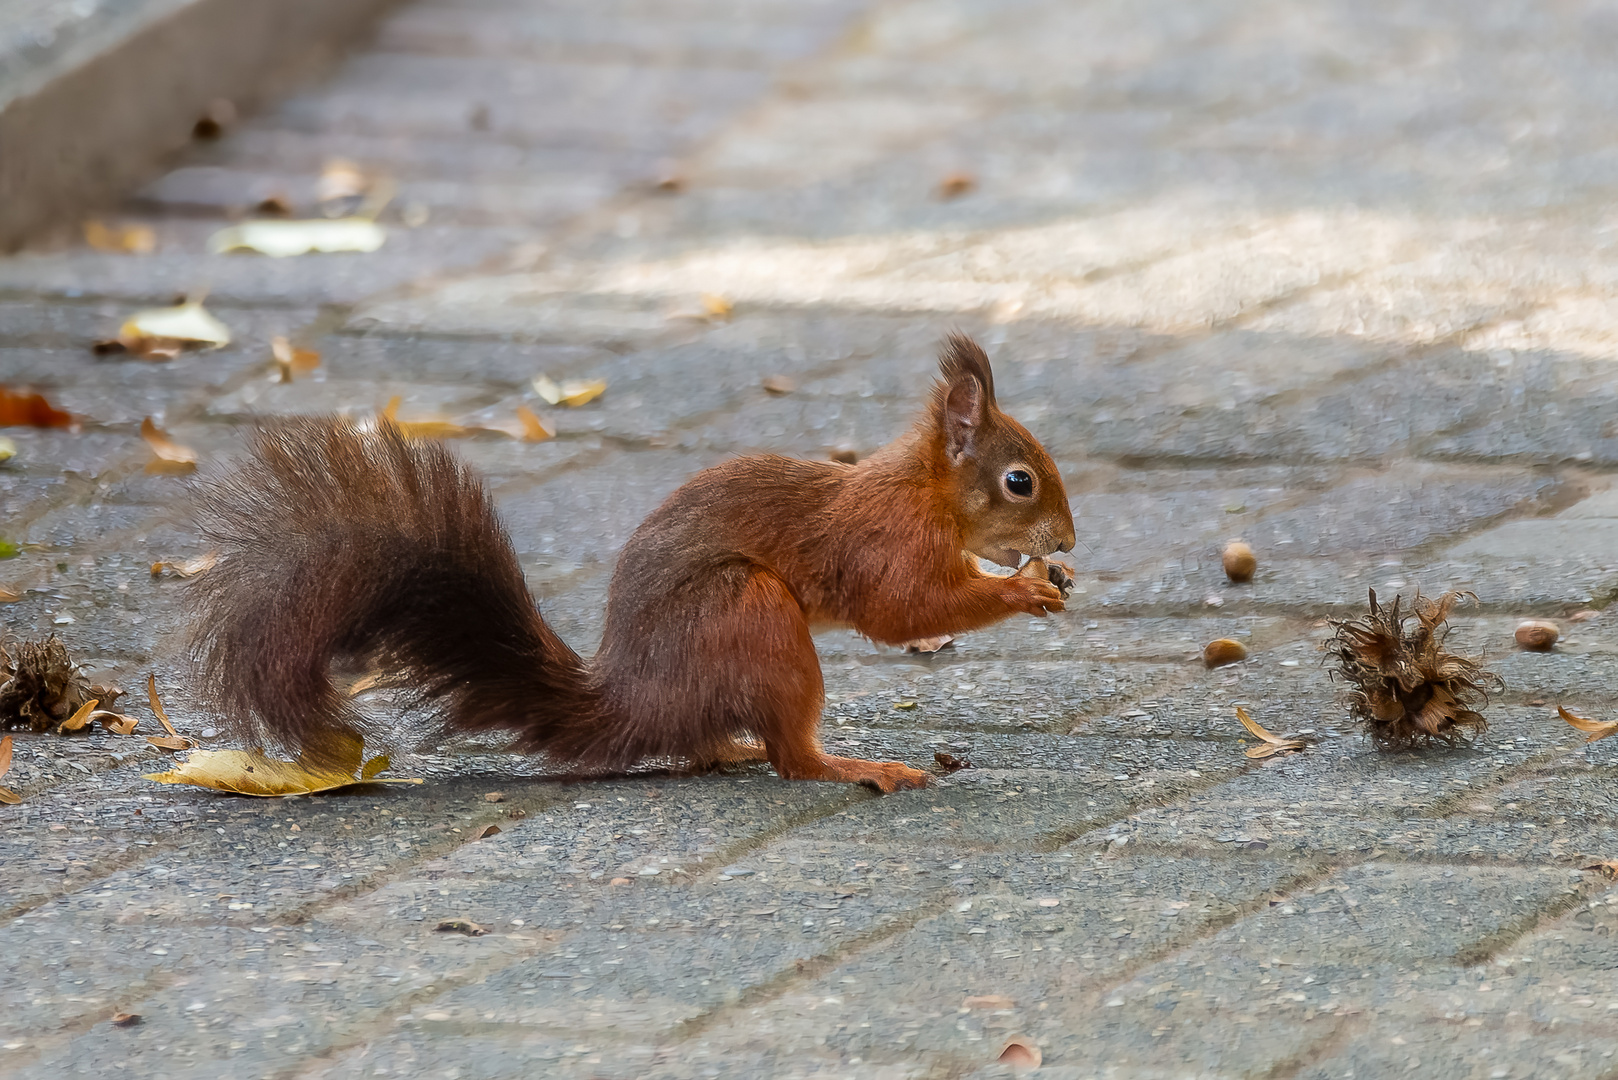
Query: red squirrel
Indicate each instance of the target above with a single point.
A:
(350, 544)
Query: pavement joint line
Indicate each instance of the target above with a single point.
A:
(854, 795)
(152, 981)
(1480, 952)
(104, 869)
(1342, 1029)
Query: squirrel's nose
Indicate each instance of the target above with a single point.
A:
(1066, 547)
(1072, 537)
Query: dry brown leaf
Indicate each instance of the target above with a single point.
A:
(170, 742)
(956, 184)
(10, 594)
(291, 360)
(460, 926)
(949, 762)
(6, 794)
(1595, 730)
(779, 385)
(120, 239)
(170, 457)
(187, 567)
(117, 723)
(1607, 868)
(80, 717)
(1021, 1054)
(486, 832)
(1272, 744)
(170, 328)
(989, 1001)
(250, 773)
(157, 704)
(619, 881)
(20, 409)
(125, 1019)
(494, 796)
(276, 205)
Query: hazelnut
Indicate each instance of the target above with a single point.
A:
(1537, 635)
(1239, 562)
(1223, 651)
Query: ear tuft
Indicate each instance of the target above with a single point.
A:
(964, 402)
(961, 357)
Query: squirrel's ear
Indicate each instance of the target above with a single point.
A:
(966, 398)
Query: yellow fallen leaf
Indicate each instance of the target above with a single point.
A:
(1606, 868)
(290, 360)
(80, 717)
(187, 567)
(569, 392)
(8, 450)
(1272, 744)
(716, 306)
(157, 704)
(1594, 729)
(188, 323)
(281, 239)
(247, 772)
(7, 795)
(170, 742)
(130, 239)
(171, 456)
(534, 429)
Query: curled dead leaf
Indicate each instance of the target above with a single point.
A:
(1606, 868)
(124, 1019)
(533, 428)
(460, 926)
(117, 723)
(779, 385)
(569, 392)
(185, 568)
(120, 239)
(10, 594)
(6, 794)
(926, 646)
(1271, 744)
(494, 796)
(486, 832)
(1595, 730)
(170, 742)
(21, 409)
(170, 456)
(1021, 1054)
(291, 360)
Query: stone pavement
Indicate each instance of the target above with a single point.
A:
(1334, 278)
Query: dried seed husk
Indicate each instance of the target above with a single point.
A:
(40, 685)
(1405, 688)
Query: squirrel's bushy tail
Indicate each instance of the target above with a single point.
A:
(338, 543)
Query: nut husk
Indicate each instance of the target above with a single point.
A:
(1404, 686)
(1239, 562)
(1538, 635)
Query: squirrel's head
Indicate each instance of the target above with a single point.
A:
(1008, 494)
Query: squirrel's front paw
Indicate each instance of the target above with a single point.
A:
(1034, 595)
(1053, 572)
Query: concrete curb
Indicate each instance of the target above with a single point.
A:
(106, 110)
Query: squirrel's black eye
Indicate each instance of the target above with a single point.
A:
(1019, 483)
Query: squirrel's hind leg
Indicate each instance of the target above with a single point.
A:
(788, 693)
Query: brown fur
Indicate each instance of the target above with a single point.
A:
(341, 544)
